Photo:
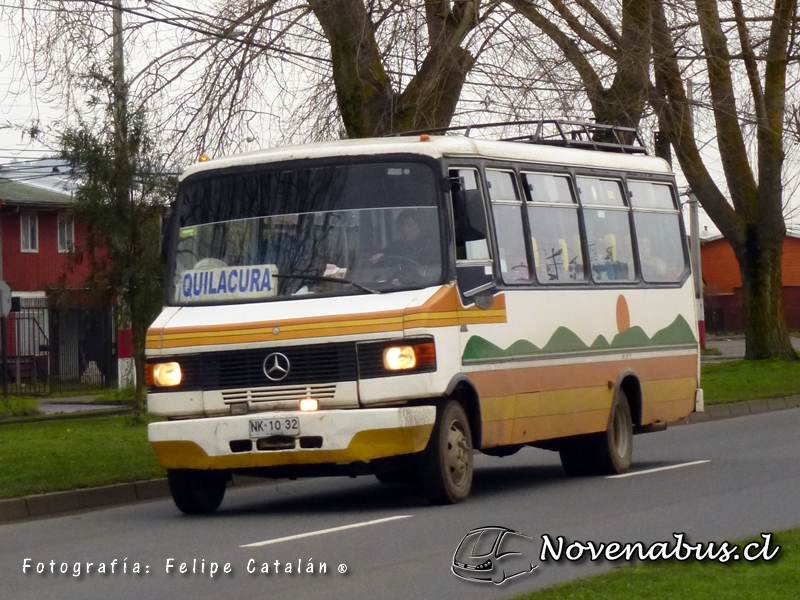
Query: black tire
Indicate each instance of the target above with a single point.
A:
(446, 468)
(606, 453)
(197, 492)
(614, 447)
(399, 475)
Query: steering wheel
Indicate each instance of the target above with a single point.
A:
(406, 270)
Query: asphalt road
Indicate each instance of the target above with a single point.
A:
(751, 484)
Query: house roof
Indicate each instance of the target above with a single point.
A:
(13, 193)
(41, 182)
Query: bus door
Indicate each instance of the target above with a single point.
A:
(474, 269)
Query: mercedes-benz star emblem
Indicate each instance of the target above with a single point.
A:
(276, 366)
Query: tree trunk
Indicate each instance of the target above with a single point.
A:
(766, 334)
(368, 103)
(138, 362)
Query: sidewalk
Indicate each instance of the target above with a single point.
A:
(731, 347)
(73, 404)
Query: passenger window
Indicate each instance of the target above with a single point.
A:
(658, 232)
(608, 230)
(600, 192)
(548, 189)
(555, 236)
(650, 195)
(507, 211)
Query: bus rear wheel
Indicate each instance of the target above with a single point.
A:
(446, 467)
(197, 492)
(606, 453)
(615, 446)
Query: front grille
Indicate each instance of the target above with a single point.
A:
(244, 369)
(291, 395)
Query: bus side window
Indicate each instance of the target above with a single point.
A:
(555, 235)
(658, 232)
(507, 212)
(470, 217)
(608, 230)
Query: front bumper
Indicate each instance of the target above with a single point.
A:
(348, 436)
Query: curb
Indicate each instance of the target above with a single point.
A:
(15, 509)
(64, 416)
(715, 412)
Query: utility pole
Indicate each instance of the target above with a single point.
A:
(694, 233)
(118, 77)
(697, 268)
(123, 175)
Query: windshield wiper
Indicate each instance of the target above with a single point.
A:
(326, 278)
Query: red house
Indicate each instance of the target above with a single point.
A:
(49, 344)
(723, 284)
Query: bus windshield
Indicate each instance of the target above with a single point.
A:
(256, 234)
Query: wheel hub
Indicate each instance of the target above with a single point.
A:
(457, 454)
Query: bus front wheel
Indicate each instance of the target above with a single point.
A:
(197, 492)
(446, 467)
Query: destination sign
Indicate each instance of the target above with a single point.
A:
(228, 283)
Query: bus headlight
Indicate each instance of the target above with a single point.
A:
(403, 358)
(164, 374)
(399, 358)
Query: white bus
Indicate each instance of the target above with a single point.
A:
(388, 306)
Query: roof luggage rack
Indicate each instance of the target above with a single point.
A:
(557, 132)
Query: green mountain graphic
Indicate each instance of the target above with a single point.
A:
(635, 337)
(678, 332)
(563, 341)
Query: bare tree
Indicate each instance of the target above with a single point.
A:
(752, 221)
(608, 49)
(239, 70)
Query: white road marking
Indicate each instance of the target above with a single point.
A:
(324, 531)
(689, 464)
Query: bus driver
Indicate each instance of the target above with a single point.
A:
(411, 251)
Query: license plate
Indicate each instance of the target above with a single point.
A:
(267, 427)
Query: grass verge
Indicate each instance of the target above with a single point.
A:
(749, 380)
(51, 456)
(18, 406)
(692, 580)
(115, 396)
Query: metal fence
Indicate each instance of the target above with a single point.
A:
(50, 349)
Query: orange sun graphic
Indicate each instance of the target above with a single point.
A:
(623, 315)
